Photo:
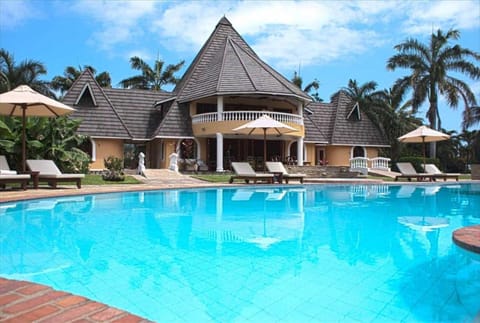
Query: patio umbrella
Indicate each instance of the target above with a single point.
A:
(422, 135)
(267, 126)
(25, 102)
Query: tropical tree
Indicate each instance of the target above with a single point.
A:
(471, 117)
(26, 72)
(368, 99)
(70, 75)
(397, 117)
(47, 138)
(314, 85)
(151, 78)
(431, 66)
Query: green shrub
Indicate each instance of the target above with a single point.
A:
(114, 171)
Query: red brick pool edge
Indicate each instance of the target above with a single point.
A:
(22, 301)
(468, 238)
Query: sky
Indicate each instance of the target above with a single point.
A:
(330, 41)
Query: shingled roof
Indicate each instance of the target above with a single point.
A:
(227, 65)
(329, 124)
(119, 113)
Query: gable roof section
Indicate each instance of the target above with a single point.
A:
(101, 120)
(119, 113)
(319, 124)
(177, 123)
(227, 65)
(137, 108)
(353, 132)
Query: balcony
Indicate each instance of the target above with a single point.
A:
(207, 124)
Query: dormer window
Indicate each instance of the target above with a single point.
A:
(354, 114)
(86, 97)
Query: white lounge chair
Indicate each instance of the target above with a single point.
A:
(408, 171)
(244, 171)
(8, 176)
(50, 173)
(433, 170)
(278, 169)
(4, 168)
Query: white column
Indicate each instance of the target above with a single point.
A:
(219, 152)
(300, 151)
(300, 140)
(219, 108)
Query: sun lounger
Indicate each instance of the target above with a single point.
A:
(50, 173)
(432, 169)
(407, 171)
(278, 169)
(21, 179)
(244, 171)
(5, 168)
(8, 176)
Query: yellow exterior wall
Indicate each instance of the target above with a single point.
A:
(340, 155)
(105, 148)
(310, 152)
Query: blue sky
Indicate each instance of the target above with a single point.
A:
(331, 41)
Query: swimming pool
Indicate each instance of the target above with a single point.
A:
(255, 254)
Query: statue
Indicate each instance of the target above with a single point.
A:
(141, 164)
(173, 162)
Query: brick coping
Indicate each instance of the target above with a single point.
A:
(22, 301)
(468, 238)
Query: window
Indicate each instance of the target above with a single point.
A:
(359, 151)
(354, 114)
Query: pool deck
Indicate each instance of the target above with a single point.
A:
(22, 301)
(468, 238)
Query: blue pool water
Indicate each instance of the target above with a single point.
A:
(367, 253)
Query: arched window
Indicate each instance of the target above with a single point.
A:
(359, 151)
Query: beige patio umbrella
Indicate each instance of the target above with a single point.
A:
(25, 102)
(267, 126)
(422, 135)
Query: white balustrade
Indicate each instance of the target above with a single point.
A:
(363, 164)
(247, 116)
(381, 163)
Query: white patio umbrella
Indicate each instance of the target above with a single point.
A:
(267, 126)
(422, 135)
(25, 102)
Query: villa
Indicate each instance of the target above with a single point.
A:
(225, 86)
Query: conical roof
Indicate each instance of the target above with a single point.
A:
(227, 65)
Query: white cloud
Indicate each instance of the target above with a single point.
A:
(120, 21)
(282, 32)
(14, 13)
(427, 16)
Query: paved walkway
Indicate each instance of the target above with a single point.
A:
(27, 302)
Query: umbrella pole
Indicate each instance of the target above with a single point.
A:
(264, 149)
(24, 149)
(424, 153)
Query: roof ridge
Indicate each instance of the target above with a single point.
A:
(277, 76)
(114, 109)
(222, 66)
(233, 44)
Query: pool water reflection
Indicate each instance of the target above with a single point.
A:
(257, 253)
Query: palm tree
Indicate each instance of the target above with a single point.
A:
(70, 75)
(471, 117)
(368, 99)
(397, 117)
(25, 73)
(430, 65)
(314, 85)
(151, 78)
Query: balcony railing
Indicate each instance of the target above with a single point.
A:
(363, 164)
(246, 116)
